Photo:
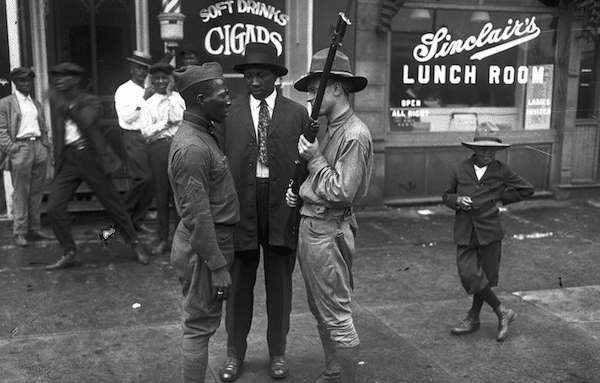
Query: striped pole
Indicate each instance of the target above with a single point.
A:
(171, 6)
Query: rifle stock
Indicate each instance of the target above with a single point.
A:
(311, 130)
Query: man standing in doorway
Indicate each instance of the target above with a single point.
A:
(24, 148)
(339, 172)
(260, 140)
(130, 99)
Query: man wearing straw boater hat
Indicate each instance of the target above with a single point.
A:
(259, 139)
(339, 173)
(475, 187)
(130, 100)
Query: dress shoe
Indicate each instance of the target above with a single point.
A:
(278, 367)
(40, 235)
(140, 254)
(231, 369)
(20, 240)
(470, 324)
(143, 228)
(505, 318)
(160, 247)
(70, 259)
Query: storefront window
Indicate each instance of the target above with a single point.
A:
(451, 69)
(588, 75)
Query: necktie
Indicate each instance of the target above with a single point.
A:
(263, 124)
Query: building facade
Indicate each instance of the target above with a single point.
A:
(436, 69)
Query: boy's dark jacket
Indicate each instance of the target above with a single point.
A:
(498, 184)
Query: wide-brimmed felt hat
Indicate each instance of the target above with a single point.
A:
(261, 55)
(340, 67)
(486, 136)
(20, 72)
(161, 66)
(67, 69)
(191, 74)
(140, 58)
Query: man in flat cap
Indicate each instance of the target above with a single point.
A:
(206, 201)
(475, 187)
(260, 139)
(339, 172)
(130, 99)
(164, 110)
(24, 151)
(81, 154)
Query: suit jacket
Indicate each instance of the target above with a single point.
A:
(85, 113)
(498, 184)
(10, 121)
(238, 141)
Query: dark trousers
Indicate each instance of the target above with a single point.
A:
(159, 161)
(279, 265)
(478, 266)
(78, 166)
(140, 190)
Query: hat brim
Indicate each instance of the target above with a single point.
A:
(278, 69)
(136, 61)
(358, 82)
(485, 144)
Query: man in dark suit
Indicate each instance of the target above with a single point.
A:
(475, 187)
(81, 154)
(260, 140)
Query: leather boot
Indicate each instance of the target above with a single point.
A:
(140, 254)
(331, 374)
(468, 325)
(505, 318)
(68, 260)
(348, 359)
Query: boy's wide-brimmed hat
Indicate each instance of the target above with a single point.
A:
(21, 72)
(486, 136)
(140, 58)
(340, 67)
(261, 55)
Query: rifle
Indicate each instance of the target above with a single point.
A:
(311, 130)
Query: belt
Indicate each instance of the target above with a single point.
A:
(31, 138)
(79, 144)
(323, 212)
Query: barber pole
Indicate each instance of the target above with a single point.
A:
(171, 6)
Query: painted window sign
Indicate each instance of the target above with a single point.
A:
(223, 28)
(448, 72)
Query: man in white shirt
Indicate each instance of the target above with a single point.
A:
(164, 111)
(24, 149)
(130, 99)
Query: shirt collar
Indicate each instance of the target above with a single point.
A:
(198, 122)
(340, 120)
(255, 104)
(22, 96)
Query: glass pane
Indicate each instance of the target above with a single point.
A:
(451, 70)
(587, 80)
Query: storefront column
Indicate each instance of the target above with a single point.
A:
(142, 38)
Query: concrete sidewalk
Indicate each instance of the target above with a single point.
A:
(80, 325)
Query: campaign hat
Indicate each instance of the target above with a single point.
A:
(340, 67)
(140, 58)
(161, 66)
(67, 69)
(192, 74)
(486, 136)
(261, 55)
(21, 72)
